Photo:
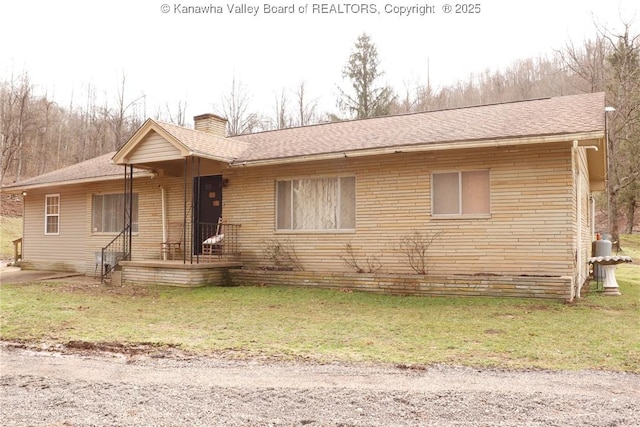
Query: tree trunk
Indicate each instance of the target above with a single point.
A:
(631, 211)
(613, 221)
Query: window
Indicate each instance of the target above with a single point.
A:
(108, 213)
(316, 204)
(52, 214)
(460, 193)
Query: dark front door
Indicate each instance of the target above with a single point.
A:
(207, 208)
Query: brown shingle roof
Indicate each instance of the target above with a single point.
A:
(90, 170)
(556, 116)
(543, 117)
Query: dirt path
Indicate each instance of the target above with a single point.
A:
(96, 388)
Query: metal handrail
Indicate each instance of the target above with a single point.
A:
(110, 256)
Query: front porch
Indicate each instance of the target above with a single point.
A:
(213, 272)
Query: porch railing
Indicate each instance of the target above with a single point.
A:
(117, 250)
(17, 249)
(227, 246)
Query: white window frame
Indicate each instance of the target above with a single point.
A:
(314, 230)
(134, 225)
(459, 215)
(48, 215)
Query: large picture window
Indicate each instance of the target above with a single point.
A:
(316, 204)
(108, 213)
(461, 193)
(52, 214)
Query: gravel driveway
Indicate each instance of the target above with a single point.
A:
(87, 388)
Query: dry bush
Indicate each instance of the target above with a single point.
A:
(415, 247)
(373, 264)
(281, 255)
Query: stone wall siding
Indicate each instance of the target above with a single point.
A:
(549, 287)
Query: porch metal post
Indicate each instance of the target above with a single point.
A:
(197, 217)
(130, 210)
(194, 230)
(124, 211)
(184, 216)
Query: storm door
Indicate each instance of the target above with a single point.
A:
(207, 208)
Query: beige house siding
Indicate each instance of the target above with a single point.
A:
(154, 148)
(75, 246)
(530, 229)
(64, 251)
(584, 216)
(146, 242)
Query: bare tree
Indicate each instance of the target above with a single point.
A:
(235, 107)
(282, 119)
(306, 109)
(588, 62)
(16, 121)
(623, 89)
(177, 116)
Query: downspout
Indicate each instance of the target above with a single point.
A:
(164, 220)
(578, 178)
(593, 218)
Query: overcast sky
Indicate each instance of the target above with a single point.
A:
(169, 55)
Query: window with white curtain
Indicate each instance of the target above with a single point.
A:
(316, 204)
(108, 213)
(460, 193)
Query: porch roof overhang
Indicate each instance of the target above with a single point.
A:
(174, 143)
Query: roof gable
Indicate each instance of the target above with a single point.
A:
(144, 142)
(158, 141)
(154, 147)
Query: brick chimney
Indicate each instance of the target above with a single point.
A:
(211, 123)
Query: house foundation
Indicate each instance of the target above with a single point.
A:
(549, 287)
(176, 273)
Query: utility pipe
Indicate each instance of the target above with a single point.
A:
(164, 221)
(575, 157)
(593, 219)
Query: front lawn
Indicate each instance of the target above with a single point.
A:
(596, 332)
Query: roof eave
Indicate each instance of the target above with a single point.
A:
(20, 188)
(227, 160)
(440, 146)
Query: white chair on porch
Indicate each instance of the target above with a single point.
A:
(214, 245)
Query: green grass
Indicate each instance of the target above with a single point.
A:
(10, 229)
(596, 332)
